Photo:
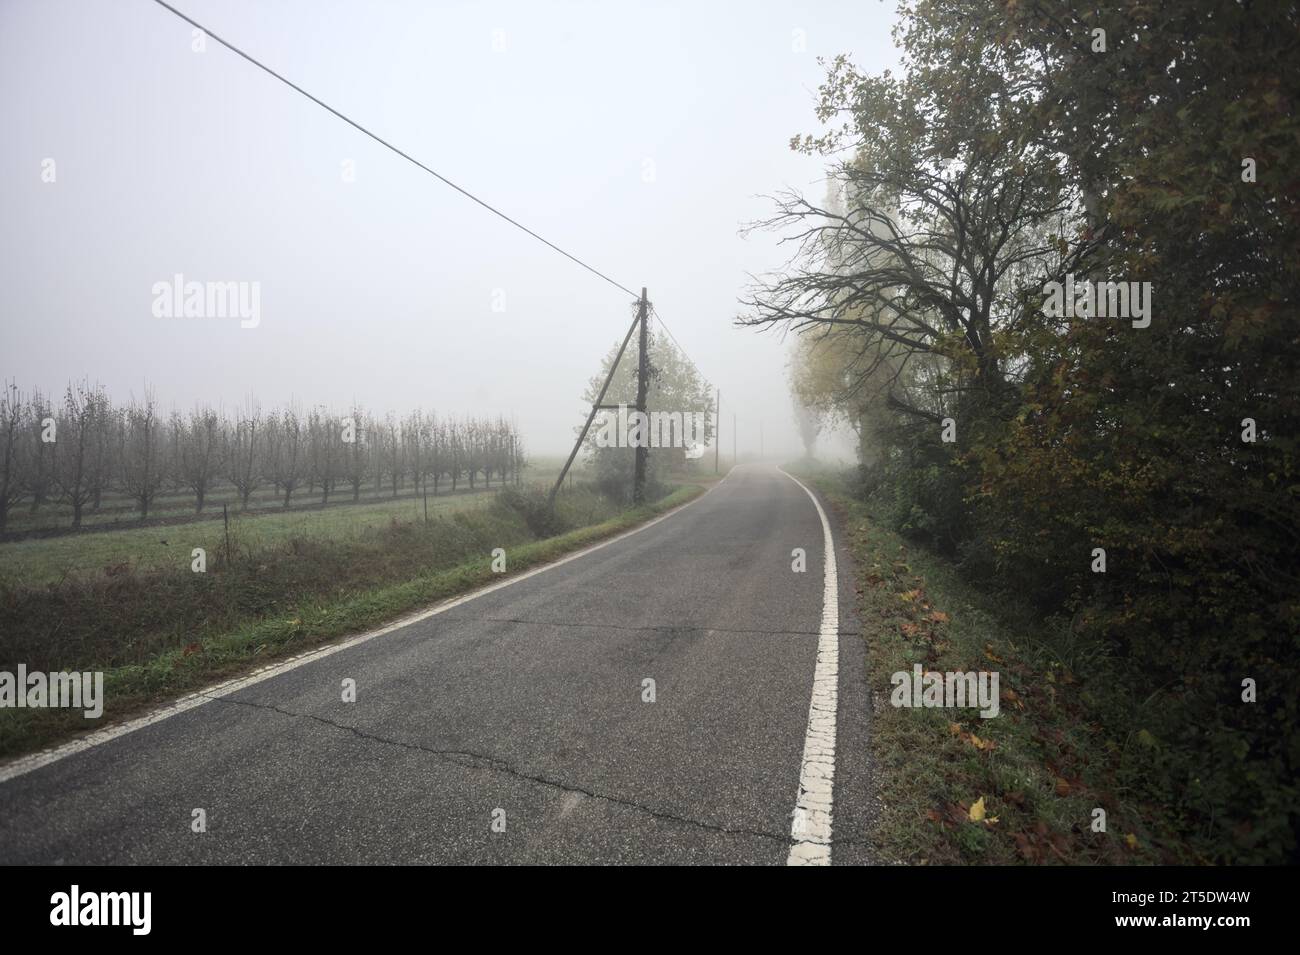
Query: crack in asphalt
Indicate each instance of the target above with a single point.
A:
(661, 628)
(496, 764)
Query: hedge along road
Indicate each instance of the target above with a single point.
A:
(517, 724)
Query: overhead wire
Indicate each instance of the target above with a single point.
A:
(383, 142)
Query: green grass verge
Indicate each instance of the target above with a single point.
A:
(132, 688)
(1036, 772)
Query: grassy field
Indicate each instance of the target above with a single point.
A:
(47, 560)
(44, 560)
(117, 510)
(1021, 787)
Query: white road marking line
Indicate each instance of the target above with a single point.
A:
(811, 828)
(27, 764)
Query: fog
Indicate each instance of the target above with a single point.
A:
(640, 137)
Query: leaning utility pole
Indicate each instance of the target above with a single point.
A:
(638, 490)
(642, 387)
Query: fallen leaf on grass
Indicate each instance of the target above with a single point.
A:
(950, 816)
(978, 813)
(983, 745)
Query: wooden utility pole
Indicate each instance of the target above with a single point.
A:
(717, 435)
(735, 458)
(642, 387)
(597, 406)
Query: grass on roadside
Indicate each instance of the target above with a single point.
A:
(1021, 787)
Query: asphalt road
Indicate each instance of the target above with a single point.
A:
(526, 705)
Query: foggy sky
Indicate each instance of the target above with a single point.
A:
(380, 290)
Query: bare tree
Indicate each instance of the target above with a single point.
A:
(107, 441)
(456, 452)
(201, 446)
(324, 439)
(437, 452)
(377, 451)
(16, 438)
(518, 459)
(492, 450)
(394, 451)
(141, 471)
(473, 450)
(286, 452)
(413, 440)
(243, 451)
(40, 470)
(920, 260)
(78, 473)
(355, 457)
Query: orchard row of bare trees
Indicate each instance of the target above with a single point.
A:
(74, 451)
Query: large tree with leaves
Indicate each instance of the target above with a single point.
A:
(1027, 142)
(675, 386)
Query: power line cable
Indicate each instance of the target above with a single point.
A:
(262, 66)
(411, 159)
(665, 327)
